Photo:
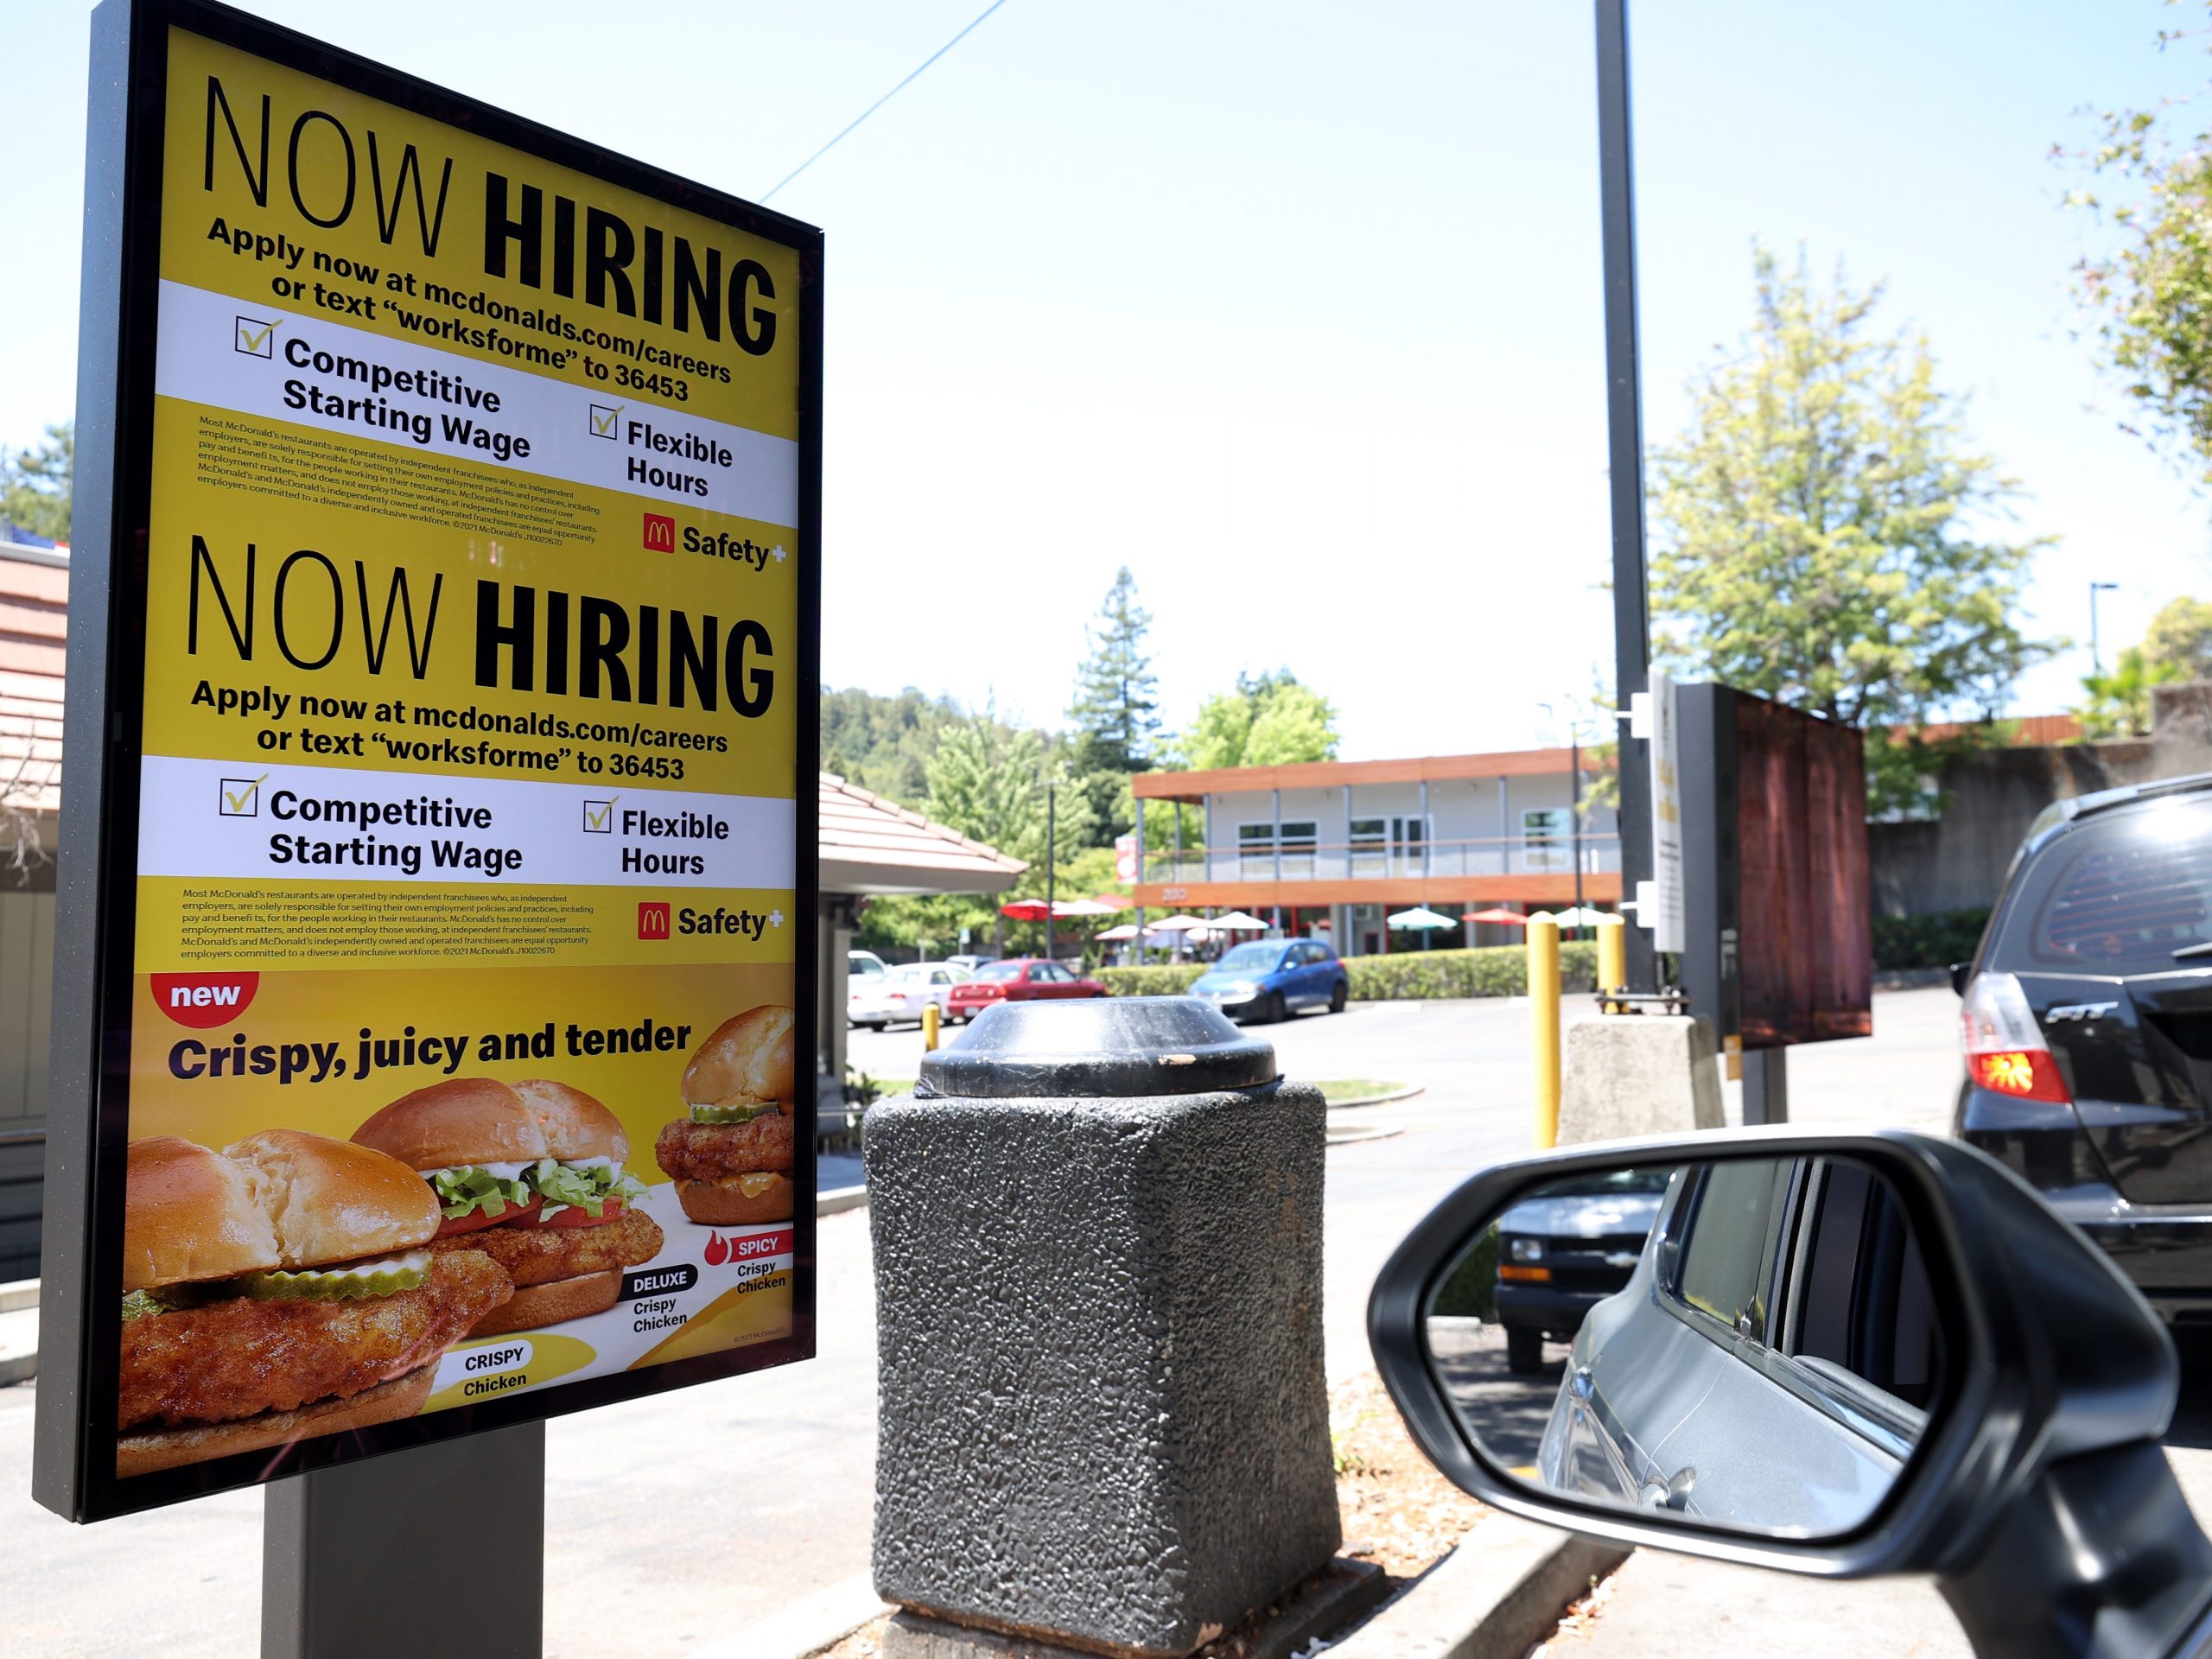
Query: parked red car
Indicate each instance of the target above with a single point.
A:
(1018, 979)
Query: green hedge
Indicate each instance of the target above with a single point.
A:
(1157, 978)
(1498, 970)
(1936, 941)
(1470, 1290)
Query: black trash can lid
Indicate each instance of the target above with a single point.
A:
(1115, 1045)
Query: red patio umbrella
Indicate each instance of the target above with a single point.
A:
(1504, 918)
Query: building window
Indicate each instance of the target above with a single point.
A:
(1256, 849)
(1370, 840)
(1544, 832)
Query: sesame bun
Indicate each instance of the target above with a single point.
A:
(726, 1203)
(282, 1199)
(142, 1452)
(483, 1121)
(532, 1307)
(748, 1058)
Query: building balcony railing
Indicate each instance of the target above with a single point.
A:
(1381, 860)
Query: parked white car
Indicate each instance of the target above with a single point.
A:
(902, 992)
(864, 963)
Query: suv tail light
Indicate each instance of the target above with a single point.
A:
(2006, 1051)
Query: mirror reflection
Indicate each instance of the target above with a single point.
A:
(1750, 1343)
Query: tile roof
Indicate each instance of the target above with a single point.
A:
(870, 845)
(33, 618)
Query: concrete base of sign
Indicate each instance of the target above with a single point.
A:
(1103, 1418)
(1326, 1602)
(1638, 1074)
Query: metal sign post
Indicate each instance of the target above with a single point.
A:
(1624, 446)
(352, 1556)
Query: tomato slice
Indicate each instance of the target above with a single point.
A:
(477, 1220)
(577, 1216)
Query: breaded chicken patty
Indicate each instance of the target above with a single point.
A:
(708, 1151)
(538, 1256)
(235, 1357)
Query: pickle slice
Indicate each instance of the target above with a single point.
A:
(360, 1281)
(736, 1111)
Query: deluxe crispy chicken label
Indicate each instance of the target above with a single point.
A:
(470, 735)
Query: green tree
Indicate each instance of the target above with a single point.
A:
(1269, 721)
(1816, 530)
(884, 743)
(988, 781)
(2119, 701)
(2180, 637)
(1117, 708)
(2150, 288)
(35, 483)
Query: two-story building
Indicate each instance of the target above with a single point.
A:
(1329, 849)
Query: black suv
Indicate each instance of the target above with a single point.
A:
(2088, 1030)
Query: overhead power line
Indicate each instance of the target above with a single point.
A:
(885, 99)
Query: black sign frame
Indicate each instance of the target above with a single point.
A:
(72, 1472)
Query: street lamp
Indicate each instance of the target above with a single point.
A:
(2096, 658)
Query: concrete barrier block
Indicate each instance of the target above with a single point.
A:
(1102, 1410)
(1638, 1074)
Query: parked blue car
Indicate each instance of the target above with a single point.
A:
(1268, 978)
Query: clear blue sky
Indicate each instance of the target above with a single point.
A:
(1294, 307)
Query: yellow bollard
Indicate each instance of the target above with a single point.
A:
(1543, 1023)
(1612, 957)
(931, 1015)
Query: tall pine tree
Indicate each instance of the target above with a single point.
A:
(1117, 708)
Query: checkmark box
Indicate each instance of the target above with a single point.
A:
(255, 336)
(239, 798)
(599, 817)
(602, 420)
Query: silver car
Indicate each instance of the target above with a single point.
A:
(1778, 1302)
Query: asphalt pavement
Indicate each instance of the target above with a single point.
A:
(677, 1521)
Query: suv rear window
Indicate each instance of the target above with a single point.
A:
(2116, 895)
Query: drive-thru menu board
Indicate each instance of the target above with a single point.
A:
(459, 819)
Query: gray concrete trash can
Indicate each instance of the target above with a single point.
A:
(1104, 1417)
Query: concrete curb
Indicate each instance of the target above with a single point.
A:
(1351, 1135)
(18, 1331)
(806, 1626)
(838, 1200)
(1501, 1591)
(1406, 1093)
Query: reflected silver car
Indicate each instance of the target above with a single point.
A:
(1778, 1302)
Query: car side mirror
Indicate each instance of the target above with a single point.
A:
(1837, 1355)
(1960, 973)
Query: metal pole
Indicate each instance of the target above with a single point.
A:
(1625, 444)
(1766, 1086)
(1051, 862)
(1543, 1023)
(354, 1559)
(2096, 656)
(1574, 814)
(1138, 830)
